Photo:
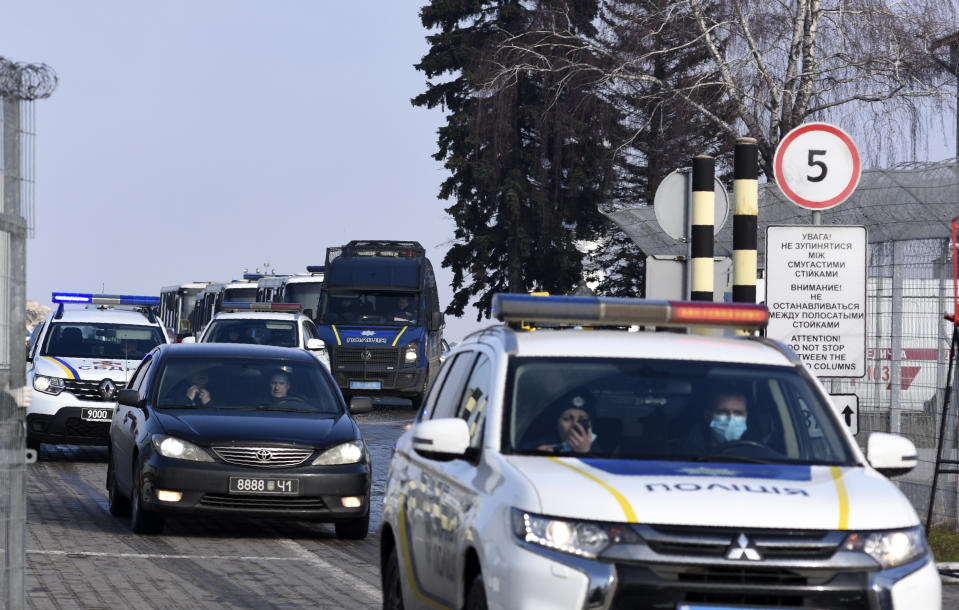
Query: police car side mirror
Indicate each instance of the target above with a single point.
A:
(190, 339)
(442, 439)
(891, 454)
(315, 344)
(130, 398)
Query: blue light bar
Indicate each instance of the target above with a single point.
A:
(252, 276)
(105, 299)
(315, 268)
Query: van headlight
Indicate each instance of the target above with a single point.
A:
(344, 453)
(48, 385)
(583, 538)
(411, 349)
(889, 548)
(179, 449)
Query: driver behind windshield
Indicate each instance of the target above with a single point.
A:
(280, 383)
(725, 419)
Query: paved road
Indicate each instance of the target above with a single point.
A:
(79, 556)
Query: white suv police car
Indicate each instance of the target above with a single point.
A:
(278, 324)
(575, 468)
(77, 360)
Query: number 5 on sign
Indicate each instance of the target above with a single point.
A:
(817, 166)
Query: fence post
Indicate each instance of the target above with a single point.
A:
(701, 233)
(745, 213)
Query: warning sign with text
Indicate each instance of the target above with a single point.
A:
(816, 294)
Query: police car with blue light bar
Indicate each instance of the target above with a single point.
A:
(277, 324)
(575, 467)
(77, 360)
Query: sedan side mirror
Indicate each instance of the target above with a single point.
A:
(891, 454)
(443, 439)
(360, 404)
(130, 398)
(315, 344)
(190, 339)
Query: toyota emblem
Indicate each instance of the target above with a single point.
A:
(108, 389)
(264, 455)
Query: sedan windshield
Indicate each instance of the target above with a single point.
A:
(90, 340)
(246, 384)
(281, 333)
(669, 410)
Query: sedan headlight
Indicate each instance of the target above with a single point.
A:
(48, 385)
(179, 449)
(344, 453)
(411, 350)
(889, 548)
(583, 538)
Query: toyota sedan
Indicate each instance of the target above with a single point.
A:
(242, 430)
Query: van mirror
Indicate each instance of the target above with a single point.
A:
(436, 320)
(130, 398)
(360, 404)
(891, 454)
(443, 439)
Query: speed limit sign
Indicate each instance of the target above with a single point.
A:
(817, 166)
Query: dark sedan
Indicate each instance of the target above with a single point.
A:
(237, 429)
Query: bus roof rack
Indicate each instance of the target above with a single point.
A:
(519, 309)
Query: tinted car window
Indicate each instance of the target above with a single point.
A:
(473, 403)
(90, 340)
(667, 409)
(281, 333)
(248, 383)
(448, 400)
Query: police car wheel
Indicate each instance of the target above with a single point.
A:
(354, 529)
(392, 588)
(142, 521)
(119, 504)
(476, 598)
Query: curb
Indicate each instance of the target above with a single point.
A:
(949, 571)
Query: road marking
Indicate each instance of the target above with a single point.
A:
(304, 554)
(161, 556)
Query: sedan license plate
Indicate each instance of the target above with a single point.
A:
(365, 385)
(264, 485)
(100, 415)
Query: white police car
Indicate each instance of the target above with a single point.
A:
(572, 468)
(279, 324)
(77, 360)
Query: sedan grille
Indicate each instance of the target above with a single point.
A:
(262, 503)
(263, 457)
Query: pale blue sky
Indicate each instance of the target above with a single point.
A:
(190, 139)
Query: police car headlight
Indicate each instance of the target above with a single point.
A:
(411, 350)
(344, 453)
(889, 548)
(48, 385)
(583, 538)
(179, 449)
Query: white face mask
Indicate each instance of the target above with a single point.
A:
(727, 428)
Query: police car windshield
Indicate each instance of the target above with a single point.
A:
(626, 408)
(371, 308)
(95, 340)
(281, 333)
(253, 384)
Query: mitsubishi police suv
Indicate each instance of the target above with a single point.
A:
(579, 467)
(77, 360)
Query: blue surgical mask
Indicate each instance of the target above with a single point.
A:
(726, 428)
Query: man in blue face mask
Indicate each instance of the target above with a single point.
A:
(727, 419)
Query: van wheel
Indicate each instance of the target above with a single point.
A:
(354, 529)
(476, 598)
(143, 521)
(119, 504)
(392, 588)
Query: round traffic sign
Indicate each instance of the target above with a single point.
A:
(817, 166)
(669, 203)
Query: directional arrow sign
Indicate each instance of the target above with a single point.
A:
(847, 405)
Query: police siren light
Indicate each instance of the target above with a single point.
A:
(617, 311)
(275, 307)
(315, 268)
(105, 299)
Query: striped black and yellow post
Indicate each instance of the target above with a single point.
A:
(701, 231)
(745, 214)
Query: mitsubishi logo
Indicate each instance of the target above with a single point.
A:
(108, 389)
(263, 455)
(368, 333)
(366, 355)
(741, 548)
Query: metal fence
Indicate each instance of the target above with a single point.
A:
(907, 212)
